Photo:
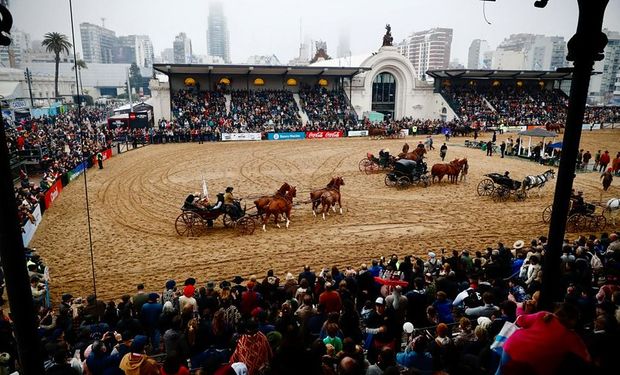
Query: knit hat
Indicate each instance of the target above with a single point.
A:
(170, 284)
(138, 344)
(188, 291)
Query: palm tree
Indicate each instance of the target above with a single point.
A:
(56, 43)
(81, 64)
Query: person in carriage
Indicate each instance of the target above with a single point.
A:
(195, 201)
(578, 205)
(384, 157)
(233, 206)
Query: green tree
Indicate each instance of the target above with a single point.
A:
(135, 78)
(56, 43)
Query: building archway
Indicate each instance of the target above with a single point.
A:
(384, 94)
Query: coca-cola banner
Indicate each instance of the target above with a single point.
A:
(324, 134)
(52, 193)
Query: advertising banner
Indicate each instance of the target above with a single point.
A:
(357, 133)
(591, 127)
(107, 154)
(52, 193)
(241, 137)
(75, 172)
(324, 134)
(285, 136)
(31, 227)
(405, 132)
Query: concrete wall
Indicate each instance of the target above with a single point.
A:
(160, 92)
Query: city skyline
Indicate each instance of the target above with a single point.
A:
(249, 35)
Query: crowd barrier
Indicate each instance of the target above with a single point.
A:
(241, 137)
(52, 193)
(357, 133)
(30, 227)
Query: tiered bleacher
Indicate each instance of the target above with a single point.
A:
(327, 108)
(258, 110)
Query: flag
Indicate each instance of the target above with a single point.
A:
(205, 190)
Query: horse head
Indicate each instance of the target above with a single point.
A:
(292, 192)
(550, 173)
(340, 180)
(284, 188)
(332, 182)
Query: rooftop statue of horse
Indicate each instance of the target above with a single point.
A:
(263, 201)
(331, 196)
(280, 204)
(416, 155)
(315, 195)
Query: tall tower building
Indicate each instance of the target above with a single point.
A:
(14, 55)
(427, 50)
(97, 43)
(182, 47)
(475, 56)
(344, 45)
(218, 37)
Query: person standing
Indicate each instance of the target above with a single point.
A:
(605, 159)
(442, 151)
(494, 136)
(615, 165)
(502, 148)
(586, 159)
(597, 159)
(100, 159)
(489, 148)
(580, 159)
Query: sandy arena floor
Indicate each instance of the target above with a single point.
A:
(135, 200)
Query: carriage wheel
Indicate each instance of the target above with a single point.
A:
(485, 187)
(501, 194)
(246, 226)
(403, 182)
(362, 164)
(546, 214)
(227, 220)
(597, 223)
(188, 224)
(575, 223)
(520, 195)
(389, 181)
(371, 167)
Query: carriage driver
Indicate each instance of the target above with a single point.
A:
(579, 205)
(229, 200)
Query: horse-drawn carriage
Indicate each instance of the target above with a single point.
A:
(482, 145)
(372, 164)
(195, 219)
(500, 187)
(406, 173)
(580, 220)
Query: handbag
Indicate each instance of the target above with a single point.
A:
(507, 330)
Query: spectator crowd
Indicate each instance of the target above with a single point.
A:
(393, 315)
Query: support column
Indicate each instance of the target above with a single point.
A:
(584, 48)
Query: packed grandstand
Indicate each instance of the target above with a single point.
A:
(331, 321)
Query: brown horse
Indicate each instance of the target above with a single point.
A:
(331, 196)
(315, 195)
(263, 201)
(451, 169)
(554, 127)
(377, 132)
(416, 155)
(280, 204)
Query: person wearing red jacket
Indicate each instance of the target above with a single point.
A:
(605, 159)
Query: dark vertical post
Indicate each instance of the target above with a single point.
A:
(15, 272)
(585, 47)
(29, 78)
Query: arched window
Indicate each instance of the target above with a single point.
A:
(384, 94)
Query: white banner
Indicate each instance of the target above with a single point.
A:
(241, 136)
(31, 227)
(357, 133)
(591, 127)
(404, 132)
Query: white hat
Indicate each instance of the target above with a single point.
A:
(379, 301)
(518, 244)
(484, 322)
(431, 254)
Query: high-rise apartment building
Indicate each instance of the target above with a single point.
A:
(218, 37)
(15, 54)
(476, 54)
(182, 48)
(427, 50)
(97, 43)
(541, 52)
(602, 86)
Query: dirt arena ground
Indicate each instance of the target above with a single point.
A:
(135, 200)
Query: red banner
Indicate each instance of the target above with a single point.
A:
(324, 134)
(107, 154)
(52, 193)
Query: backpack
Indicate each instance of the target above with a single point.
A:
(596, 263)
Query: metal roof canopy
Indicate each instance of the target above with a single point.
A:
(264, 70)
(560, 74)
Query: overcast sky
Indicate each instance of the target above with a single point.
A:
(261, 27)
